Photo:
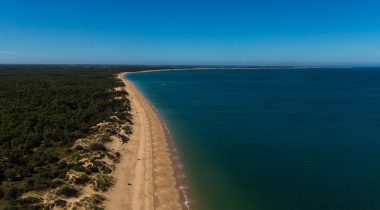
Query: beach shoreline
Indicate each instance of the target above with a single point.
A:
(239, 68)
(179, 173)
(147, 175)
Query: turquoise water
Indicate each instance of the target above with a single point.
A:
(274, 139)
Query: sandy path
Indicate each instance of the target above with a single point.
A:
(145, 163)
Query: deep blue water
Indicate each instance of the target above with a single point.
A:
(274, 139)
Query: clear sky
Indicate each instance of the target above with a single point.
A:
(228, 32)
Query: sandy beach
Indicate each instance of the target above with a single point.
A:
(145, 177)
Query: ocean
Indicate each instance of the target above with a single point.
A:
(279, 139)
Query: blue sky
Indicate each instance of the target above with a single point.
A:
(228, 32)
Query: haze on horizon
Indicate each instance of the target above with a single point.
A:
(197, 32)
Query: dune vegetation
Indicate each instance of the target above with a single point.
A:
(48, 127)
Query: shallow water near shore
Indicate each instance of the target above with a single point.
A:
(273, 139)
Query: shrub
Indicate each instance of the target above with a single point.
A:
(127, 130)
(41, 183)
(30, 184)
(13, 193)
(10, 174)
(68, 191)
(103, 182)
(20, 205)
(106, 139)
(1, 193)
(102, 166)
(56, 183)
(79, 147)
(78, 167)
(97, 147)
(82, 179)
(29, 200)
(60, 203)
(62, 165)
(93, 169)
(52, 159)
(124, 139)
(98, 199)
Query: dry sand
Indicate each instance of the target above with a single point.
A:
(145, 177)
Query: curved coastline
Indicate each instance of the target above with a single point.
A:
(155, 192)
(242, 68)
(148, 176)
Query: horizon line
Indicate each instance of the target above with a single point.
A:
(186, 65)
